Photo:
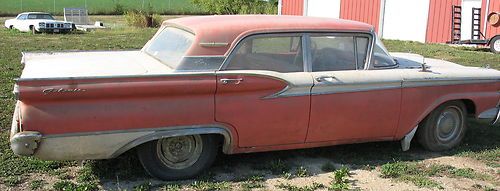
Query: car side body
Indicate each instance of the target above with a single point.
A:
(38, 22)
(258, 83)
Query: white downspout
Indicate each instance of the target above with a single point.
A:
(280, 6)
(381, 18)
(305, 8)
(486, 17)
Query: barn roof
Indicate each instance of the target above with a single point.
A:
(230, 28)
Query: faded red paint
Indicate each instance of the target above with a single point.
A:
(261, 122)
(292, 7)
(367, 11)
(439, 20)
(229, 28)
(420, 101)
(491, 31)
(117, 104)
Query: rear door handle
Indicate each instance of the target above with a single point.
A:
(231, 80)
(325, 78)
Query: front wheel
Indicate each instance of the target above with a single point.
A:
(444, 128)
(181, 157)
(495, 45)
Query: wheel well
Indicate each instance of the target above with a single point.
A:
(489, 41)
(469, 106)
(31, 26)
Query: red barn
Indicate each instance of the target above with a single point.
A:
(428, 21)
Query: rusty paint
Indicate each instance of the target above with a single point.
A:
(367, 11)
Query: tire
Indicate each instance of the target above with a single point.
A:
(11, 27)
(444, 128)
(33, 30)
(495, 45)
(158, 156)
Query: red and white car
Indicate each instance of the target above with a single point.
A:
(242, 84)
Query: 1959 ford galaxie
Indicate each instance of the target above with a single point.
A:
(242, 84)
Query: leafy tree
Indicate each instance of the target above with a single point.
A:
(238, 6)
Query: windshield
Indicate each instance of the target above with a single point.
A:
(170, 46)
(40, 16)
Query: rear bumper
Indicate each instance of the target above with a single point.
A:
(22, 143)
(492, 116)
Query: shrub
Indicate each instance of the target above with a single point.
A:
(238, 6)
(142, 19)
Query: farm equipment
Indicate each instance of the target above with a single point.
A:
(477, 37)
(80, 18)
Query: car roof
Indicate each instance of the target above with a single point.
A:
(229, 29)
(35, 13)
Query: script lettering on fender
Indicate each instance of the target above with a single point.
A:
(62, 90)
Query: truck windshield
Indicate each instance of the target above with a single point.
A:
(40, 16)
(170, 46)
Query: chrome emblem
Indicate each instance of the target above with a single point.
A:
(62, 90)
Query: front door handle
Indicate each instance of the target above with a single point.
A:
(325, 79)
(231, 80)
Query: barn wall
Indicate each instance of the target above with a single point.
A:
(439, 23)
(323, 8)
(405, 20)
(491, 31)
(367, 11)
(292, 7)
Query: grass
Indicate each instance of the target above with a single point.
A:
(480, 143)
(37, 184)
(289, 187)
(420, 174)
(339, 180)
(100, 6)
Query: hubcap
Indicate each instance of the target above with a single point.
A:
(496, 45)
(449, 123)
(179, 152)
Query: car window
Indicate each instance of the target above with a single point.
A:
(362, 49)
(274, 53)
(22, 17)
(332, 53)
(381, 57)
(40, 16)
(170, 46)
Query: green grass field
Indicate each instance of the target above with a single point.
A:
(13, 7)
(481, 144)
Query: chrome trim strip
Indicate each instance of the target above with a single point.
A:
(121, 76)
(442, 82)
(213, 44)
(497, 119)
(325, 88)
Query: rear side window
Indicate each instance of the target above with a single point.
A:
(22, 17)
(338, 52)
(273, 53)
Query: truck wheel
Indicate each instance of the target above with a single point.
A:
(495, 45)
(444, 128)
(179, 157)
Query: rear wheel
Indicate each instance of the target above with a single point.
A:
(179, 157)
(495, 45)
(444, 128)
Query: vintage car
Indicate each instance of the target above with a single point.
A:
(241, 84)
(38, 22)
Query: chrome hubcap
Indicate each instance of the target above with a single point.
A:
(496, 45)
(449, 123)
(179, 152)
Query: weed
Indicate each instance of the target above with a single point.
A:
(339, 179)
(302, 172)
(12, 181)
(289, 187)
(206, 186)
(145, 186)
(172, 187)
(287, 175)
(255, 181)
(37, 184)
(278, 167)
(65, 185)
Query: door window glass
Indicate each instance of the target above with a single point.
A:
(332, 53)
(274, 53)
(362, 49)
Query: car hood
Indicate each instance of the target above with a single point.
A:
(90, 64)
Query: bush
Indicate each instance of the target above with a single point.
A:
(238, 6)
(142, 19)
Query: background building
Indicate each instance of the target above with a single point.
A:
(417, 20)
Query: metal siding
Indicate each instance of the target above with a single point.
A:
(439, 21)
(367, 11)
(292, 7)
(491, 31)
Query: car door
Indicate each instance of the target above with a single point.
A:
(263, 91)
(21, 22)
(351, 102)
